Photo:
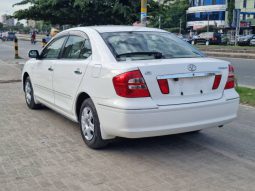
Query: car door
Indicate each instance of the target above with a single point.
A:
(42, 70)
(70, 69)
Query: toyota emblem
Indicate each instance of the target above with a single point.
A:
(192, 67)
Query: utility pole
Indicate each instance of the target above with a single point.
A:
(159, 22)
(143, 12)
(237, 12)
(207, 21)
(180, 26)
(207, 42)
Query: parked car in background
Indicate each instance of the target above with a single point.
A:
(131, 82)
(8, 36)
(252, 42)
(246, 40)
(224, 39)
(212, 37)
(185, 38)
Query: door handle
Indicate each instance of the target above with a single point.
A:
(50, 69)
(78, 71)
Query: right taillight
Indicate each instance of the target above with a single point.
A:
(131, 85)
(231, 78)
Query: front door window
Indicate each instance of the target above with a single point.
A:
(52, 51)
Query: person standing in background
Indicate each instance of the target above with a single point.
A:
(46, 39)
(53, 32)
(33, 37)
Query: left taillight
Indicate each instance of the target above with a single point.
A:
(216, 83)
(131, 85)
(163, 85)
(231, 78)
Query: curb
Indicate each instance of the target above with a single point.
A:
(230, 54)
(9, 81)
(246, 86)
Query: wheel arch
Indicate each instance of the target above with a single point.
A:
(81, 97)
(25, 75)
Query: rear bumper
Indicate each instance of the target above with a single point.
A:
(166, 120)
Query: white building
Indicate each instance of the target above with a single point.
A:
(7, 21)
(202, 13)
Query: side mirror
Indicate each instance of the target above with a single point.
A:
(33, 54)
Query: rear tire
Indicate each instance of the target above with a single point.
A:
(90, 125)
(29, 95)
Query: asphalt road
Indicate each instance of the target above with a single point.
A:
(244, 68)
(7, 52)
(41, 150)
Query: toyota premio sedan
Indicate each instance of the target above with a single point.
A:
(123, 81)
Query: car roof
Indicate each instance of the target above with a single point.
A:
(118, 28)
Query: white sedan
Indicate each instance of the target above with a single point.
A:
(123, 81)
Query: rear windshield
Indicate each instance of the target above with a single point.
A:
(148, 45)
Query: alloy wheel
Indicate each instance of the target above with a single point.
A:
(87, 123)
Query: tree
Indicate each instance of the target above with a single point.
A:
(81, 12)
(230, 8)
(1, 26)
(171, 13)
(102, 12)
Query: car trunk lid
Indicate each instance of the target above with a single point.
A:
(189, 80)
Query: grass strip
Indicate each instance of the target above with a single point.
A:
(247, 95)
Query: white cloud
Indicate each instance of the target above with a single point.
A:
(6, 7)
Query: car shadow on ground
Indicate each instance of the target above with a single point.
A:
(176, 141)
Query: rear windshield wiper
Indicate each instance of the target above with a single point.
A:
(157, 55)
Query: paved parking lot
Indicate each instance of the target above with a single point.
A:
(41, 150)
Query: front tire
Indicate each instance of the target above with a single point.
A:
(90, 125)
(29, 95)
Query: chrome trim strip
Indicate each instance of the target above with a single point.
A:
(230, 99)
(123, 109)
(188, 75)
